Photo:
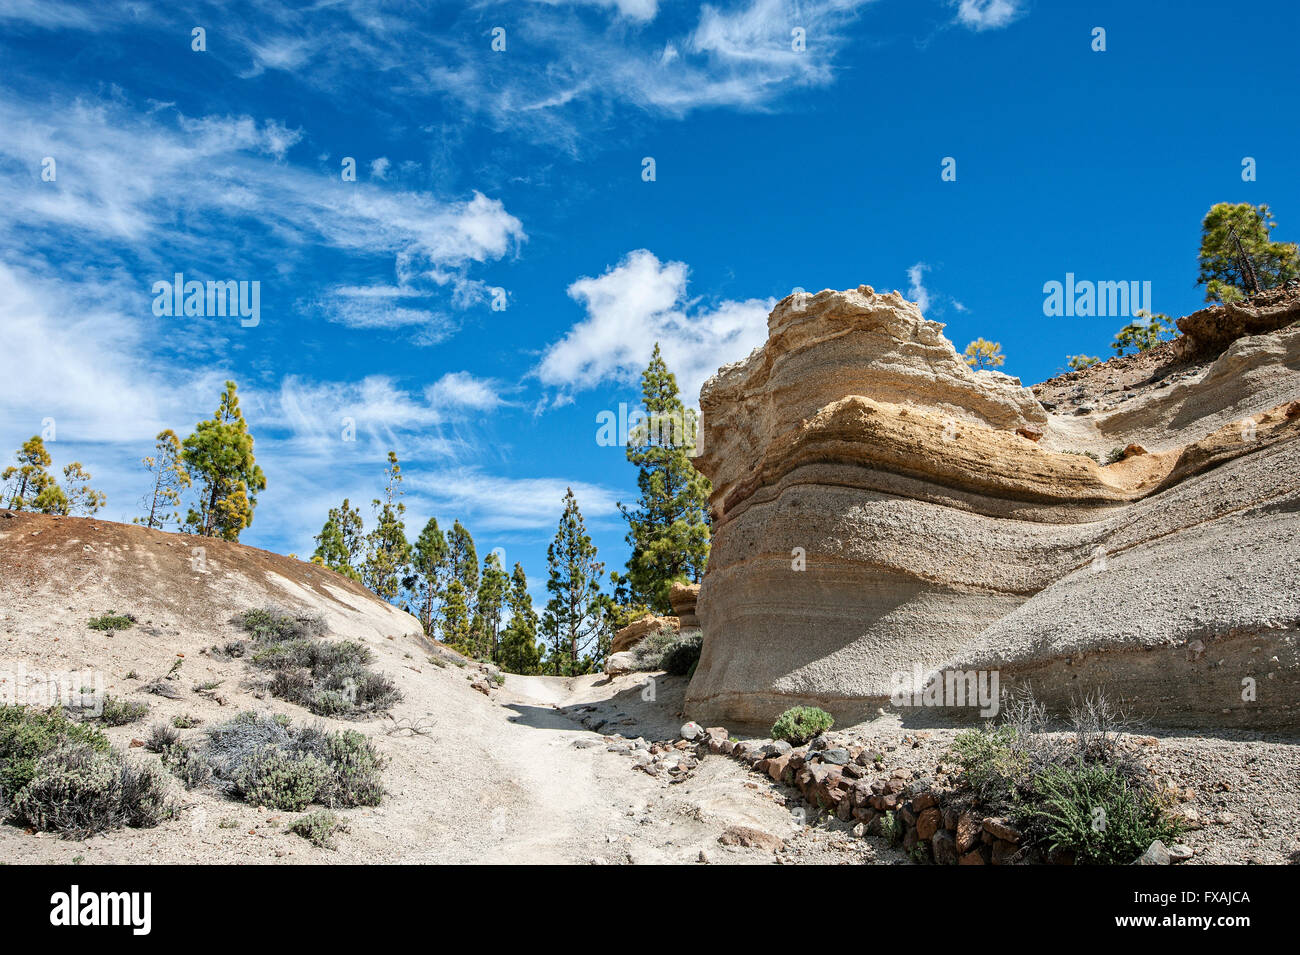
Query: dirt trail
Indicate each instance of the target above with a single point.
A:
(505, 778)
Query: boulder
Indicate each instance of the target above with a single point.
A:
(639, 629)
(617, 663)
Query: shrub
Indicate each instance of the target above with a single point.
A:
(27, 734)
(799, 724)
(160, 737)
(329, 679)
(267, 761)
(271, 625)
(1092, 811)
(117, 712)
(278, 779)
(185, 721)
(680, 658)
(318, 828)
(111, 621)
(190, 767)
(77, 790)
(1082, 791)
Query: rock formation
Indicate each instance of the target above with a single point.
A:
(881, 510)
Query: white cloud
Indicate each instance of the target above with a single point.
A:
(460, 389)
(379, 168)
(494, 502)
(637, 303)
(987, 14)
(123, 176)
(916, 290)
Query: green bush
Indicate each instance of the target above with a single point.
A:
(77, 790)
(799, 724)
(680, 658)
(329, 679)
(27, 734)
(270, 625)
(111, 621)
(281, 780)
(117, 712)
(318, 828)
(1092, 811)
(268, 761)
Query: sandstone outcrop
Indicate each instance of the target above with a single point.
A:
(881, 510)
(636, 631)
(683, 597)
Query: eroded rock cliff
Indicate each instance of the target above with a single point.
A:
(880, 509)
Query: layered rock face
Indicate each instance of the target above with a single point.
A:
(882, 510)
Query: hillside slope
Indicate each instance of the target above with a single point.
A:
(502, 778)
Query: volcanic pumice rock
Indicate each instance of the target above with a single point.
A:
(882, 510)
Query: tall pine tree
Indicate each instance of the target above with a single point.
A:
(219, 458)
(493, 584)
(341, 543)
(668, 531)
(387, 550)
(519, 649)
(574, 619)
(429, 570)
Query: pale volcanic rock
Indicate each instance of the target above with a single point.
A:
(876, 510)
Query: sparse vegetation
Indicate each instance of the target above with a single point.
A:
(799, 724)
(266, 761)
(116, 712)
(1114, 455)
(1081, 792)
(318, 828)
(185, 721)
(160, 738)
(271, 625)
(1080, 362)
(111, 622)
(328, 678)
(57, 775)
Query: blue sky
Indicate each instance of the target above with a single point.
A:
(521, 170)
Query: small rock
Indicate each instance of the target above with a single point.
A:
(836, 757)
(1157, 854)
(1180, 853)
(691, 731)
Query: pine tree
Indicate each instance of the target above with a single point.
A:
(456, 617)
(574, 615)
(31, 485)
(669, 529)
(1273, 262)
(387, 550)
(169, 479)
(341, 543)
(491, 603)
(26, 481)
(519, 649)
(219, 456)
(79, 495)
(430, 568)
